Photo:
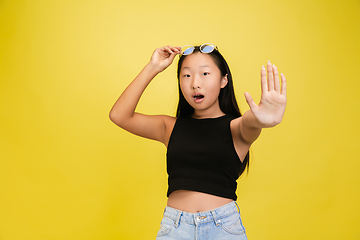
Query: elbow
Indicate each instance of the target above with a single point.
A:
(119, 118)
(115, 117)
(111, 116)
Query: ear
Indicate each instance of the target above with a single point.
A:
(224, 81)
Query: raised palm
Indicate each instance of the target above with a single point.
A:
(270, 111)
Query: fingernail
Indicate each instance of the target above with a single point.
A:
(263, 66)
(269, 61)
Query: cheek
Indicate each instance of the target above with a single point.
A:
(214, 86)
(184, 89)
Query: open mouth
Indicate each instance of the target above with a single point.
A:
(198, 96)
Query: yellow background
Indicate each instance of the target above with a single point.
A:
(67, 172)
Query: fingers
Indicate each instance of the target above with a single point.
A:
(276, 79)
(169, 53)
(283, 85)
(273, 82)
(172, 50)
(263, 79)
(270, 77)
(250, 101)
(163, 57)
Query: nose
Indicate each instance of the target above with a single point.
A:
(195, 83)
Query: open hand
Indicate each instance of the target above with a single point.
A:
(271, 108)
(163, 57)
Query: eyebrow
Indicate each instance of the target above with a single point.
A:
(203, 66)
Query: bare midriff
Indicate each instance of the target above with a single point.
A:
(192, 202)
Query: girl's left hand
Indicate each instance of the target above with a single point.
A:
(271, 108)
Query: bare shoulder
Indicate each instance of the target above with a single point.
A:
(169, 119)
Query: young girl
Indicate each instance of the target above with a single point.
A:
(208, 140)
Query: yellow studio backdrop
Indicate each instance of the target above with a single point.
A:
(67, 172)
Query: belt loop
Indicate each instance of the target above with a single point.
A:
(216, 220)
(237, 206)
(177, 220)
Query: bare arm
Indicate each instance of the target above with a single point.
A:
(271, 108)
(123, 112)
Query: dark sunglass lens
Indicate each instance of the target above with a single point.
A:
(207, 48)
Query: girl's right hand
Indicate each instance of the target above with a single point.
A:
(163, 57)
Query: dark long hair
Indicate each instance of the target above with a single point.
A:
(227, 100)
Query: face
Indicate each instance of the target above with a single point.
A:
(200, 82)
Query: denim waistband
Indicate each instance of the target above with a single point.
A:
(201, 217)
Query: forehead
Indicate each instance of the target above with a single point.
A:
(198, 60)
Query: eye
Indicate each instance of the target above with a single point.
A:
(186, 75)
(206, 73)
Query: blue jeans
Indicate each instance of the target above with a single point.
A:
(220, 223)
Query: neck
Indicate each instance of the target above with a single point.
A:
(207, 113)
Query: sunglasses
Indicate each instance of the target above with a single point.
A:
(204, 48)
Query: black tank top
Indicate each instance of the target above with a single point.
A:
(201, 157)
